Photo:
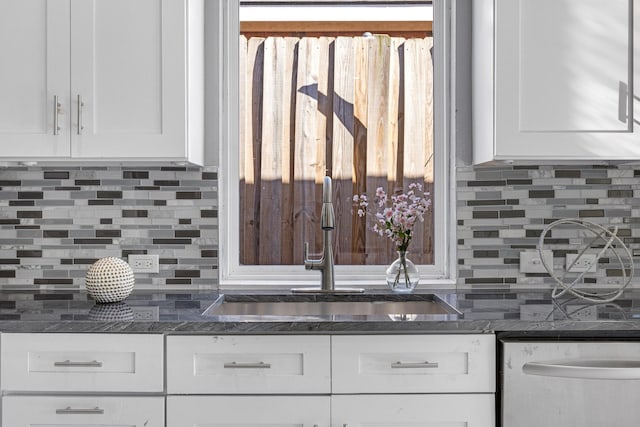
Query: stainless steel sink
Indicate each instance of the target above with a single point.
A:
(332, 306)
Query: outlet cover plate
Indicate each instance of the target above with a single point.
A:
(144, 263)
(148, 314)
(587, 262)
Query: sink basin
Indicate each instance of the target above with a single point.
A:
(331, 306)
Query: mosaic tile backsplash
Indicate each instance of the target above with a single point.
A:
(503, 210)
(56, 222)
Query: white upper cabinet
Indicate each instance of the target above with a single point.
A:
(553, 78)
(127, 74)
(34, 73)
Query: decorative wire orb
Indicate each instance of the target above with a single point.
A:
(109, 279)
(608, 240)
(117, 311)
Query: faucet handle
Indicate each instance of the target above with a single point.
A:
(310, 264)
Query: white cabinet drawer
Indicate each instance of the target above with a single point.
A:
(413, 364)
(248, 411)
(424, 410)
(82, 362)
(29, 411)
(230, 364)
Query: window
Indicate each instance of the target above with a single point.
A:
(308, 124)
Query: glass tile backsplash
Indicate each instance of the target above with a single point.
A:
(502, 211)
(55, 222)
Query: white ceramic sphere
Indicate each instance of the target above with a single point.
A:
(109, 279)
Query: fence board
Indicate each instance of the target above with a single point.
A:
(416, 127)
(360, 135)
(378, 132)
(343, 129)
(251, 135)
(325, 127)
(276, 134)
(305, 150)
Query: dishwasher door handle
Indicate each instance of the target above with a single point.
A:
(586, 369)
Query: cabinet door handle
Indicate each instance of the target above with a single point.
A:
(80, 105)
(56, 115)
(80, 411)
(403, 365)
(91, 364)
(259, 365)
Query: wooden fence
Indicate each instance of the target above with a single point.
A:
(356, 108)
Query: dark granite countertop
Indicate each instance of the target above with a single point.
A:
(523, 312)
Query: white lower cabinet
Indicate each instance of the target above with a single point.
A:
(82, 362)
(413, 410)
(338, 381)
(248, 411)
(231, 364)
(98, 411)
(82, 380)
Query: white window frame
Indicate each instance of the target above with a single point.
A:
(223, 111)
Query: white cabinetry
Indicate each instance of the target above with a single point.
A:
(411, 410)
(229, 364)
(413, 364)
(451, 378)
(284, 380)
(98, 411)
(245, 411)
(352, 380)
(62, 379)
(555, 80)
(127, 78)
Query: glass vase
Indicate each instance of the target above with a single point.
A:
(402, 274)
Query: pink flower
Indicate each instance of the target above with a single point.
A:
(396, 215)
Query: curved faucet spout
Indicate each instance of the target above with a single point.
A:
(327, 222)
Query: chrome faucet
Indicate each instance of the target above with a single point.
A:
(325, 263)
(328, 223)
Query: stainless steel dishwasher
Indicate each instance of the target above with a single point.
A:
(570, 383)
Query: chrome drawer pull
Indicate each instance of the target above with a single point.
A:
(74, 411)
(56, 115)
(80, 106)
(259, 365)
(92, 364)
(402, 365)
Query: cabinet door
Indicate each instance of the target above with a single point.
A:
(99, 411)
(128, 86)
(248, 411)
(563, 76)
(426, 410)
(34, 47)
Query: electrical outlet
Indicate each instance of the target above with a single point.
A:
(536, 312)
(530, 261)
(582, 312)
(148, 314)
(144, 263)
(586, 262)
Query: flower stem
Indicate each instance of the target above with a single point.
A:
(402, 269)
